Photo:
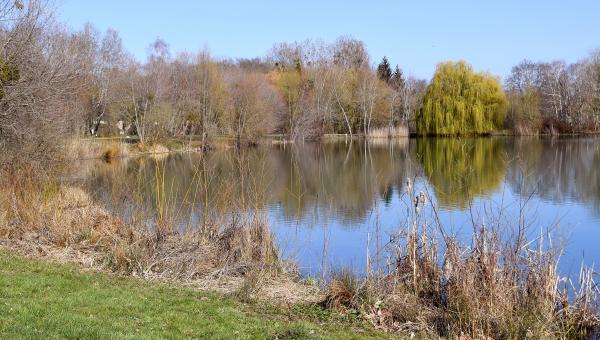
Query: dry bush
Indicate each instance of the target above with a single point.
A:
(114, 150)
(44, 63)
(343, 290)
(244, 245)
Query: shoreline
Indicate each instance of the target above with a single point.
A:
(100, 147)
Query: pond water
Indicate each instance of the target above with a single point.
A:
(331, 203)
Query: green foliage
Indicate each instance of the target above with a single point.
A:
(210, 104)
(290, 83)
(461, 101)
(346, 93)
(8, 73)
(461, 169)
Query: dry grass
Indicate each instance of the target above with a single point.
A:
(524, 130)
(495, 288)
(152, 149)
(106, 149)
(389, 132)
(111, 149)
(62, 222)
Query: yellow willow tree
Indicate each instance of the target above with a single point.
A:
(460, 101)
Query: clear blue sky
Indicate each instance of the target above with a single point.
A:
(491, 35)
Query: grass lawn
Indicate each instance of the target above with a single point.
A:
(46, 300)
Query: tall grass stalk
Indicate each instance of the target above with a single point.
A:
(500, 286)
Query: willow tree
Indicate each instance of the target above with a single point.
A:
(462, 169)
(461, 101)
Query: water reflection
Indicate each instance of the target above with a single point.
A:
(556, 170)
(344, 178)
(462, 169)
(349, 187)
(348, 178)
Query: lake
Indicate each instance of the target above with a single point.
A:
(334, 204)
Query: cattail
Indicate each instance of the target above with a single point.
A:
(423, 198)
(408, 186)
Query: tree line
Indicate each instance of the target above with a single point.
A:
(301, 90)
(55, 83)
(555, 96)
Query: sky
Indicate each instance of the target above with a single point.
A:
(416, 35)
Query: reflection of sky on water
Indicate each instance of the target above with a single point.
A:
(574, 224)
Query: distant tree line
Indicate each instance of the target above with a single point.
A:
(56, 83)
(555, 97)
(301, 90)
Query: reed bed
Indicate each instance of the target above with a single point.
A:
(497, 287)
(105, 149)
(389, 132)
(45, 218)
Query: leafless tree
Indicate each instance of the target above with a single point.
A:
(41, 68)
(368, 93)
(249, 115)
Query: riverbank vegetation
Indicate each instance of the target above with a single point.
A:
(503, 285)
(554, 97)
(425, 281)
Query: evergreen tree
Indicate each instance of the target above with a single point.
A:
(384, 71)
(397, 79)
(461, 101)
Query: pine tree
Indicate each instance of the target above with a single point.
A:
(397, 79)
(384, 71)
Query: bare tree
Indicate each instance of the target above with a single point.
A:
(211, 95)
(368, 93)
(40, 78)
(250, 96)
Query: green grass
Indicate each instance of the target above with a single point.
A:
(46, 300)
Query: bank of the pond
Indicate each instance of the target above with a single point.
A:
(491, 288)
(39, 299)
(62, 223)
(109, 148)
